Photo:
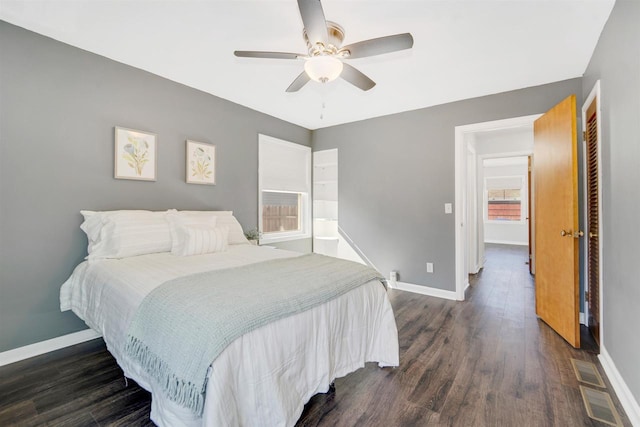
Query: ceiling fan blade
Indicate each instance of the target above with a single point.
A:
(379, 45)
(356, 78)
(269, 55)
(299, 82)
(313, 19)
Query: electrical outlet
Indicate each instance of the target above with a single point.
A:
(393, 276)
(429, 267)
(448, 208)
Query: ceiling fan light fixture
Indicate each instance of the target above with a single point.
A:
(323, 68)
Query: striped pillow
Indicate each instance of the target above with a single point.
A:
(198, 240)
(224, 218)
(121, 234)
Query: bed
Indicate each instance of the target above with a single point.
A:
(265, 376)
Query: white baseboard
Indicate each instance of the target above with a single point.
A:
(42, 347)
(423, 290)
(629, 403)
(507, 242)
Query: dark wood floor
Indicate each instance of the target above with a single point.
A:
(487, 361)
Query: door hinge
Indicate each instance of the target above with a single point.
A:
(584, 135)
(586, 295)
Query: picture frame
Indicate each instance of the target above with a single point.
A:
(200, 163)
(135, 154)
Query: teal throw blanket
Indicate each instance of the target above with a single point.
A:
(183, 325)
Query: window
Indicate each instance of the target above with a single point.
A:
(284, 190)
(504, 205)
(504, 198)
(280, 212)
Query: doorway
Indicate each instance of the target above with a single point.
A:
(466, 248)
(472, 146)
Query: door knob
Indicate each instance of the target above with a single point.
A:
(563, 233)
(578, 234)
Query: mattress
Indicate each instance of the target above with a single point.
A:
(264, 377)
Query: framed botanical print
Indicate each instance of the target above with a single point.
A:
(201, 163)
(135, 154)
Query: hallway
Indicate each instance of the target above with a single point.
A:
(487, 361)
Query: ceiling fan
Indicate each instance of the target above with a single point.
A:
(325, 59)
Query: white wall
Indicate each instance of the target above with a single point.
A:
(514, 233)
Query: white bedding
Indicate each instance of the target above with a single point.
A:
(263, 378)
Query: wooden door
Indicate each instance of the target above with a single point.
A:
(555, 170)
(593, 259)
(529, 216)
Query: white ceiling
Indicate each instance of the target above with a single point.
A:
(462, 49)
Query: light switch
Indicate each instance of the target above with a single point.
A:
(448, 208)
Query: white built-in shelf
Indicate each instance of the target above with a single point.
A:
(325, 202)
(325, 165)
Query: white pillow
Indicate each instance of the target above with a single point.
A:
(178, 220)
(121, 234)
(197, 240)
(224, 219)
(95, 220)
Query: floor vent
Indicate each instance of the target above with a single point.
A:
(600, 406)
(587, 372)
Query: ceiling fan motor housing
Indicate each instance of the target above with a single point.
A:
(335, 38)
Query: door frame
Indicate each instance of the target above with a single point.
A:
(461, 197)
(595, 93)
(474, 263)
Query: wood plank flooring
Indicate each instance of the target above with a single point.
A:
(487, 361)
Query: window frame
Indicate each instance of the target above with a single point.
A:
(274, 235)
(305, 196)
(523, 200)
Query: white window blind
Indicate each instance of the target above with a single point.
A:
(284, 176)
(284, 166)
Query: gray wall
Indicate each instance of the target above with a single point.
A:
(397, 172)
(616, 62)
(58, 107)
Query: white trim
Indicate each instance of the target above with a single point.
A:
(424, 290)
(506, 242)
(519, 153)
(42, 347)
(284, 237)
(583, 318)
(461, 184)
(499, 222)
(629, 403)
(595, 93)
(349, 241)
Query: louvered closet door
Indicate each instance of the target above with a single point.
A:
(591, 138)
